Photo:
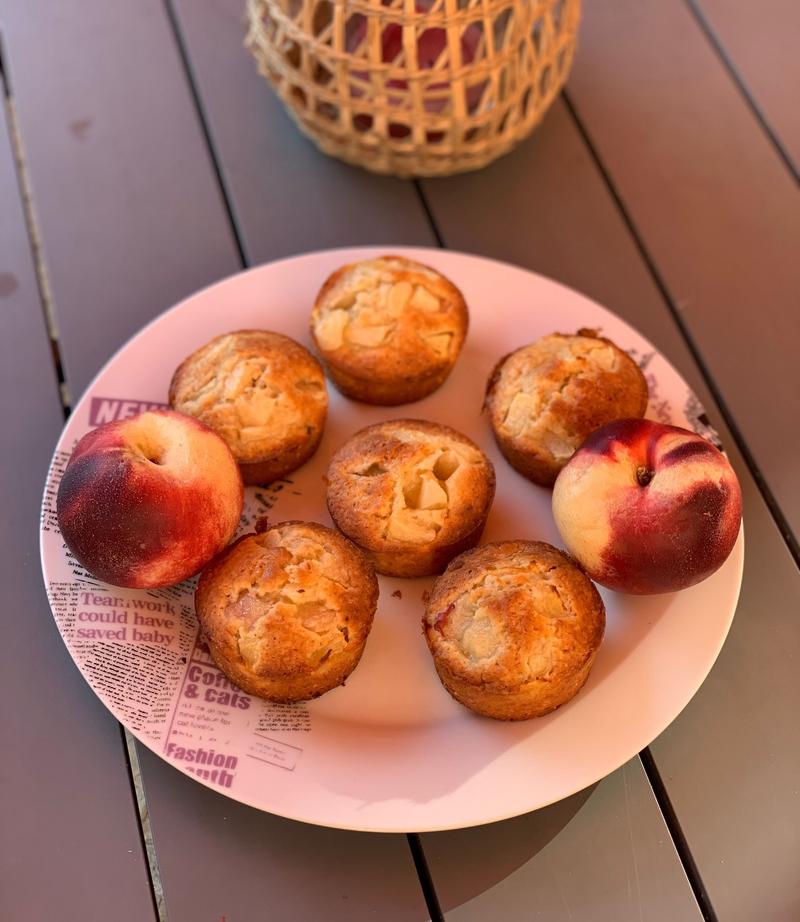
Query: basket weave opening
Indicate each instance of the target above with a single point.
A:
(414, 87)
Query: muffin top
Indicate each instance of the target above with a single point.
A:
(547, 397)
(409, 481)
(389, 317)
(260, 391)
(285, 602)
(513, 613)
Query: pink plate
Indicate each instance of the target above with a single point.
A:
(391, 751)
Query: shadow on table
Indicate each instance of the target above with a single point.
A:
(249, 858)
(487, 855)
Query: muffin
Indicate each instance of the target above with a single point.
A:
(263, 393)
(388, 330)
(546, 398)
(514, 628)
(411, 494)
(286, 612)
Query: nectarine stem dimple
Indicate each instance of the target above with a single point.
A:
(644, 476)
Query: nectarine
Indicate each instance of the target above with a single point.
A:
(148, 501)
(647, 508)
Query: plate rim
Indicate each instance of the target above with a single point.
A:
(366, 252)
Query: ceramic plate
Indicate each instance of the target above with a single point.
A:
(390, 751)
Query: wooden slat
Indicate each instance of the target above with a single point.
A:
(760, 44)
(121, 176)
(64, 783)
(600, 856)
(132, 220)
(730, 761)
(714, 204)
(254, 865)
(239, 141)
(547, 207)
(287, 197)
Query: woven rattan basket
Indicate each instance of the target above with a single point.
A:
(415, 87)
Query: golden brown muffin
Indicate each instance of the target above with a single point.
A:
(546, 398)
(263, 393)
(412, 494)
(286, 612)
(388, 330)
(514, 628)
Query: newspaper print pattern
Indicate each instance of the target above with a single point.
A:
(141, 651)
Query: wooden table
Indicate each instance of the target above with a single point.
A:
(151, 160)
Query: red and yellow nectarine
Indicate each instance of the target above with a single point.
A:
(647, 508)
(148, 501)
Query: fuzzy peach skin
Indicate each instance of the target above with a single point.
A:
(148, 501)
(648, 508)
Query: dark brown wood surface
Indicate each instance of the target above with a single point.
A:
(759, 44)
(220, 859)
(286, 198)
(714, 206)
(599, 856)
(653, 187)
(69, 818)
(132, 216)
(729, 761)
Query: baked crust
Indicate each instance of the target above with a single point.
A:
(546, 398)
(263, 393)
(286, 612)
(514, 629)
(411, 494)
(389, 330)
